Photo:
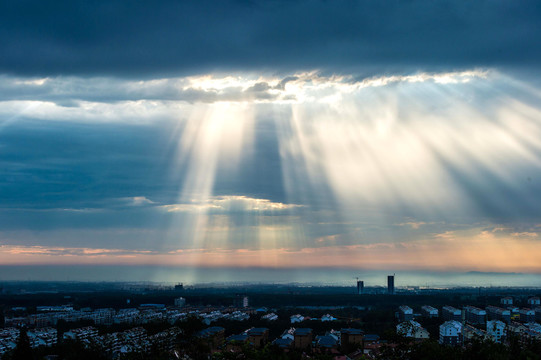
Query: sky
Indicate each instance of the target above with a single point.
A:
(271, 137)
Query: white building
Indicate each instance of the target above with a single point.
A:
(538, 314)
(8, 339)
(534, 327)
(496, 313)
(42, 337)
(405, 313)
(412, 329)
(180, 302)
(429, 311)
(475, 315)
(527, 315)
(508, 300)
(451, 333)
(451, 313)
(470, 332)
(534, 301)
(328, 317)
(209, 318)
(103, 316)
(270, 317)
(127, 316)
(496, 330)
(238, 316)
(86, 334)
(288, 334)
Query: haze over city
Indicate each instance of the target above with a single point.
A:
(278, 141)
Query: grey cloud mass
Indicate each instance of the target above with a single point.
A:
(67, 91)
(149, 38)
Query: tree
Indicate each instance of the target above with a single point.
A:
(22, 351)
(190, 326)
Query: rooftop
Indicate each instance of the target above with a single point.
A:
(257, 331)
(351, 331)
(303, 331)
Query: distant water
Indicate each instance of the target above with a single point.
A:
(315, 276)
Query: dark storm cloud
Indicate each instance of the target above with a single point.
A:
(147, 38)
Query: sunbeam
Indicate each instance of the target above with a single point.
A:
(301, 170)
(364, 154)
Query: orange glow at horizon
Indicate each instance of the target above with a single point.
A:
(472, 250)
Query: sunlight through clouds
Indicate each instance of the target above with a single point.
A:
(393, 147)
(310, 169)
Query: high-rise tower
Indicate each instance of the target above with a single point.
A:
(360, 287)
(390, 284)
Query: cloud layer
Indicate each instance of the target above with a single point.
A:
(187, 37)
(334, 168)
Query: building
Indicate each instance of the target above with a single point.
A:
(179, 287)
(390, 284)
(8, 339)
(328, 317)
(241, 300)
(534, 330)
(283, 343)
(270, 317)
(515, 313)
(496, 330)
(326, 342)
(180, 302)
(470, 333)
(258, 336)
(517, 329)
(405, 313)
(475, 315)
(534, 301)
(103, 316)
(371, 338)
(234, 343)
(302, 338)
(429, 311)
(527, 315)
(85, 334)
(214, 336)
(496, 313)
(412, 329)
(451, 333)
(451, 313)
(508, 300)
(42, 337)
(351, 336)
(296, 318)
(165, 340)
(127, 316)
(360, 287)
(152, 306)
(538, 314)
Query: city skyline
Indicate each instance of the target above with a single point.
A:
(271, 135)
